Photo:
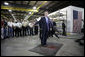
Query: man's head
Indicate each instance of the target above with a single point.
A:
(46, 13)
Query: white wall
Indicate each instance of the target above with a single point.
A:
(69, 27)
(69, 10)
(69, 19)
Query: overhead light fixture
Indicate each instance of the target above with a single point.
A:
(6, 3)
(34, 8)
(30, 12)
(10, 10)
(45, 1)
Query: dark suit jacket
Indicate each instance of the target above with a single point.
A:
(42, 23)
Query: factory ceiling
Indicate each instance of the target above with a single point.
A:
(33, 9)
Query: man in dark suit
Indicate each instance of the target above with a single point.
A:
(54, 29)
(44, 24)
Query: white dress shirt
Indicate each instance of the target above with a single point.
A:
(10, 24)
(20, 25)
(14, 24)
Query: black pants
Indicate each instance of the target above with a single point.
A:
(20, 31)
(40, 35)
(36, 30)
(16, 32)
(31, 31)
(24, 31)
(13, 32)
(43, 37)
(64, 32)
(28, 30)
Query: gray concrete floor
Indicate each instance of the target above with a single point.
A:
(20, 46)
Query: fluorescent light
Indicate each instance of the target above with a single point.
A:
(6, 3)
(45, 1)
(34, 8)
(10, 10)
(30, 12)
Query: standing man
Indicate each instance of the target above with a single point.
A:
(19, 24)
(55, 29)
(31, 28)
(36, 29)
(5, 28)
(44, 24)
(24, 26)
(63, 28)
(16, 33)
(10, 29)
(13, 28)
(17, 28)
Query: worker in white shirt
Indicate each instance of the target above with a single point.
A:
(14, 28)
(24, 26)
(27, 27)
(10, 29)
(19, 28)
(31, 28)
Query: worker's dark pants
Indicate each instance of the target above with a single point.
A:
(36, 30)
(28, 30)
(31, 31)
(13, 31)
(24, 31)
(20, 31)
(17, 32)
(40, 35)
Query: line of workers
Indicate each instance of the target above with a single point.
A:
(17, 28)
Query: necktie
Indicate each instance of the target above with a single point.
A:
(47, 23)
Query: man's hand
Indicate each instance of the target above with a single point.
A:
(31, 24)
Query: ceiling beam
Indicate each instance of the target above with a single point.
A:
(38, 8)
(18, 9)
(38, 14)
(18, 5)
